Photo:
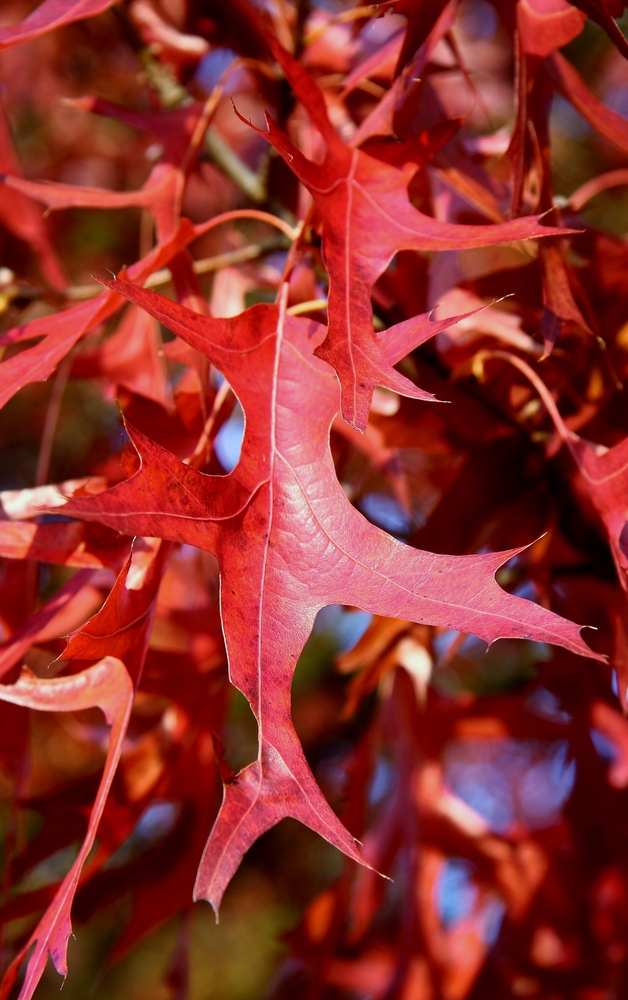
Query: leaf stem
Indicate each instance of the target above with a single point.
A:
(52, 418)
(204, 266)
(292, 232)
(546, 396)
(312, 305)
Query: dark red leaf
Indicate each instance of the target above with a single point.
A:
(351, 189)
(49, 15)
(108, 686)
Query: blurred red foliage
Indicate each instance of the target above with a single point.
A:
(351, 213)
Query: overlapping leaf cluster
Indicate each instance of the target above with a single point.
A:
(390, 236)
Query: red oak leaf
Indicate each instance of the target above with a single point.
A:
(588, 190)
(289, 543)
(161, 36)
(50, 616)
(61, 331)
(158, 194)
(546, 25)
(534, 103)
(181, 132)
(63, 544)
(604, 120)
(195, 684)
(16, 505)
(602, 483)
(421, 16)
(174, 129)
(367, 217)
(604, 12)
(382, 119)
(49, 15)
(108, 686)
(122, 626)
(603, 472)
(559, 305)
(132, 357)
(380, 62)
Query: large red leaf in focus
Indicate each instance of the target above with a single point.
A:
(108, 686)
(367, 217)
(290, 543)
(49, 15)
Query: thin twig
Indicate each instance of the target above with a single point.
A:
(312, 305)
(174, 95)
(201, 453)
(52, 418)
(345, 17)
(292, 232)
(204, 266)
(251, 184)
